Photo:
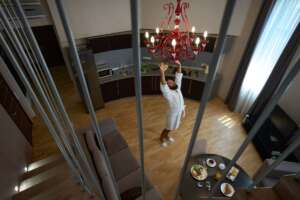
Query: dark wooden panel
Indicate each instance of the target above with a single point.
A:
(98, 45)
(185, 87)
(49, 46)
(156, 85)
(15, 110)
(126, 87)
(120, 42)
(147, 85)
(110, 91)
(196, 89)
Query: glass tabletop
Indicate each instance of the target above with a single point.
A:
(191, 187)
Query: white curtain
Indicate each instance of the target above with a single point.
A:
(278, 29)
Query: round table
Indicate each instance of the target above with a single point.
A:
(189, 189)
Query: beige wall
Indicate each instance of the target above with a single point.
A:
(289, 101)
(203, 14)
(97, 17)
(93, 17)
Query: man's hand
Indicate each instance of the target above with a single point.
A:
(163, 67)
(179, 66)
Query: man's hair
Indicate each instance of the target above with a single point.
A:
(174, 87)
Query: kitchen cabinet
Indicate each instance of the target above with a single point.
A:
(110, 91)
(192, 89)
(126, 87)
(147, 85)
(196, 89)
(185, 87)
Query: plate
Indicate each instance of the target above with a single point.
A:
(199, 172)
(222, 166)
(227, 189)
(233, 173)
(211, 162)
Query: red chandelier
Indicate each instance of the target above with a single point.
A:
(175, 44)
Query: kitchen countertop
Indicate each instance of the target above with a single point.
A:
(124, 72)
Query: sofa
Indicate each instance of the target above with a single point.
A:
(284, 168)
(126, 169)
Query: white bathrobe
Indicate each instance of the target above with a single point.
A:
(175, 101)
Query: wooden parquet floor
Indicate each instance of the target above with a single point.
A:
(220, 127)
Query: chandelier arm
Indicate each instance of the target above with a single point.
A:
(184, 16)
(169, 8)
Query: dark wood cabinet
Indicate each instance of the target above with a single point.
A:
(156, 85)
(147, 85)
(150, 86)
(186, 87)
(15, 110)
(126, 87)
(196, 89)
(110, 91)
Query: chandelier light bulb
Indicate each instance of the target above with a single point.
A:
(147, 35)
(152, 39)
(205, 34)
(193, 29)
(157, 30)
(173, 43)
(197, 41)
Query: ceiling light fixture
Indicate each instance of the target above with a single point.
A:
(175, 44)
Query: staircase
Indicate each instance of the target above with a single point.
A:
(49, 179)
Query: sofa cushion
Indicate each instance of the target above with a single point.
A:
(152, 194)
(107, 125)
(134, 179)
(132, 193)
(114, 142)
(100, 163)
(108, 188)
(123, 163)
(90, 140)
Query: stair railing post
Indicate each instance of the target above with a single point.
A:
(208, 88)
(83, 84)
(277, 162)
(135, 24)
(263, 116)
(55, 92)
(9, 30)
(38, 105)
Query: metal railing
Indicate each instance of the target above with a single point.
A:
(84, 87)
(135, 24)
(207, 89)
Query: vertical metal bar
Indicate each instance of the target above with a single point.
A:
(135, 24)
(53, 88)
(208, 87)
(37, 103)
(14, 19)
(36, 82)
(298, 176)
(285, 154)
(83, 84)
(261, 119)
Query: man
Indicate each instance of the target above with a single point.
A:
(171, 91)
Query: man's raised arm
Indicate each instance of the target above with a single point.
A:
(163, 68)
(179, 66)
